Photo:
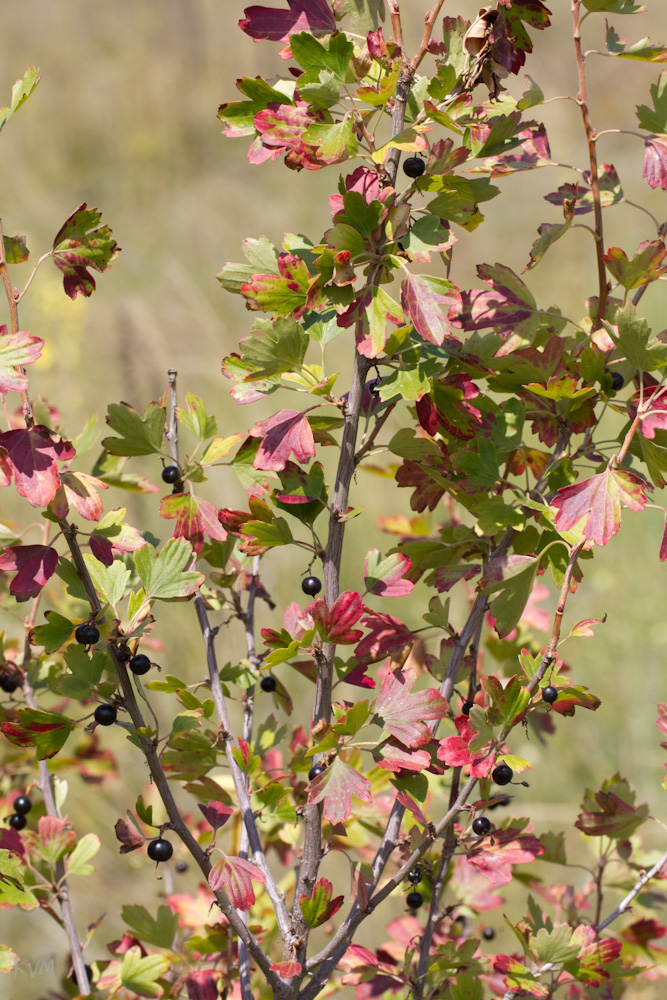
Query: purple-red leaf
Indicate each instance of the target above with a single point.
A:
(456, 750)
(130, 838)
(336, 786)
(216, 814)
(287, 969)
(405, 712)
(495, 857)
(313, 16)
(79, 490)
(284, 433)
(598, 500)
(202, 984)
(194, 518)
(385, 635)
(235, 876)
(34, 564)
(335, 624)
(32, 454)
(385, 577)
(655, 161)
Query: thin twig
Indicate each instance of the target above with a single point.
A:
(28, 414)
(644, 879)
(430, 20)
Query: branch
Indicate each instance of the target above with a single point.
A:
(430, 20)
(603, 289)
(28, 415)
(644, 879)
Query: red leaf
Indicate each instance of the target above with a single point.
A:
(235, 876)
(655, 161)
(16, 349)
(10, 840)
(394, 758)
(509, 847)
(202, 985)
(283, 433)
(404, 712)
(216, 814)
(334, 624)
(277, 25)
(456, 750)
(287, 969)
(336, 786)
(412, 806)
(32, 454)
(385, 577)
(428, 301)
(385, 635)
(194, 517)
(79, 491)
(599, 500)
(35, 564)
(102, 549)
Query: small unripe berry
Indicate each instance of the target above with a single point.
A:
(414, 166)
(502, 774)
(481, 826)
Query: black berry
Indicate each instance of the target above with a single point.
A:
(414, 899)
(124, 653)
(416, 874)
(9, 684)
(502, 775)
(87, 634)
(466, 706)
(481, 826)
(488, 933)
(105, 715)
(171, 474)
(181, 866)
(550, 694)
(314, 771)
(89, 973)
(414, 166)
(311, 586)
(140, 664)
(268, 683)
(160, 850)
(17, 822)
(22, 805)
(617, 381)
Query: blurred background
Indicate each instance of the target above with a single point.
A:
(125, 120)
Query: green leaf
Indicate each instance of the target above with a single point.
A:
(110, 581)
(165, 577)
(86, 848)
(508, 704)
(8, 958)
(16, 251)
(196, 419)
(331, 140)
(85, 671)
(140, 974)
(655, 119)
(614, 6)
(549, 233)
(46, 731)
(54, 634)
(513, 576)
(21, 91)
(82, 243)
(144, 812)
(274, 346)
(633, 338)
(138, 435)
(159, 931)
(11, 868)
(276, 533)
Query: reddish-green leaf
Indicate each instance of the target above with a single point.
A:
(79, 491)
(287, 432)
(646, 265)
(508, 704)
(598, 502)
(335, 624)
(404, 712)
(428, 302)
(235, 876)
(46, 731)
(194, 518)
(288, 969)
(336, 786)
(386, 577)
(495, 857)
(82, 243)
(385, 634)
(321, 906)
(52, 840)
(611, 812)
(16, 349)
